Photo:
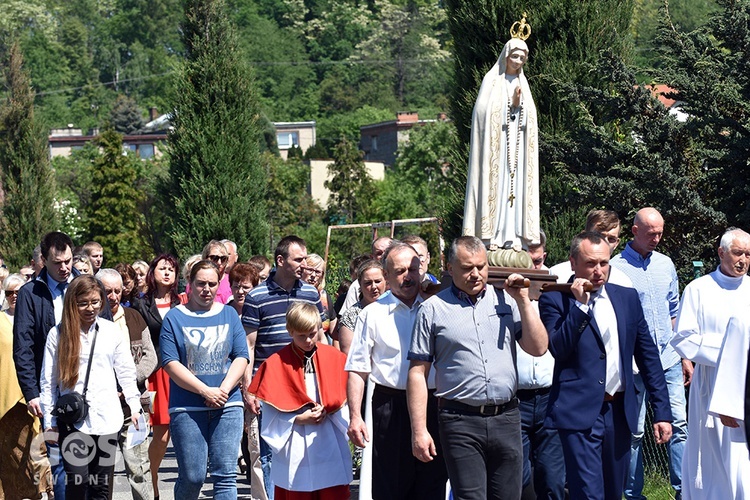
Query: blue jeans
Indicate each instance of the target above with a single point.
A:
(58, 471)
(676, 388)
(265, 461)
(206, 437)
(541, 447)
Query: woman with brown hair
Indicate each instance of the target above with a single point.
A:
(161, 296)
(204, 350)
(82, 343)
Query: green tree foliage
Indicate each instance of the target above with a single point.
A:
(421, 178)
(565, 42)
(26, 181)
(647, 17)
(114, 217)
(125, 116)
(625, 151)
(709, 69)
(290, 206)
(217, 184)
(350, 184)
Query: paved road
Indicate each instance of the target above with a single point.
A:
(168, 476)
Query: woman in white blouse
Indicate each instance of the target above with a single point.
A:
(88, 447)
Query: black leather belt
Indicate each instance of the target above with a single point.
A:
(483, 410)
(390, 391)
(524, 394)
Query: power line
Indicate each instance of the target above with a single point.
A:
(252, 63)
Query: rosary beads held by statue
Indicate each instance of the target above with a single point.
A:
(502, 191)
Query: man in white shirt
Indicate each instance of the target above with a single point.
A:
(607, 223)
(715, 463)
(542, 449)
(135, 332)
(379, 351)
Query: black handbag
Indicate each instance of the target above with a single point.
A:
(72, 408)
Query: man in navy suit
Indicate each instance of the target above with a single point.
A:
(594, 337)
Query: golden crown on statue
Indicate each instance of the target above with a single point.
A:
(521, 29)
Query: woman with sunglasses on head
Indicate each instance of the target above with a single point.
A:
(82, 343)
(315, 274)
(161, 282)
(204, 350)
(216, 252)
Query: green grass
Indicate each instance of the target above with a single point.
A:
(657, 487)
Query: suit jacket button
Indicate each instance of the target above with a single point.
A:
(602, 356)
(601, 382)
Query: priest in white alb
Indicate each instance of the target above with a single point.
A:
(713, 451)
(731, 395)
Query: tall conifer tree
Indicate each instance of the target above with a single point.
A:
(27, 196)
(216, 185)
(114, 217)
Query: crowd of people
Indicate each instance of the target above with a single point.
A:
(481, 389)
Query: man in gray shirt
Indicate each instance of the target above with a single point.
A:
(468, 332)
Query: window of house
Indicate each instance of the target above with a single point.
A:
(146, 151)
(374, 143)
(287, 139)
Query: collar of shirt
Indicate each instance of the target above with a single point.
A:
(275, 287)
(465, 297)
(394, 302)
(633, 256)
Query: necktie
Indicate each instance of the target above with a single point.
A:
(603, 321)
(61, 287)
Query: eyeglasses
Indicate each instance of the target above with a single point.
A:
(219, 258)
(95, 304)
(11, 293)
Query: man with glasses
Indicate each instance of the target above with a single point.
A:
(216, 251)
(607, 223)
(39, 308)
(654, 278)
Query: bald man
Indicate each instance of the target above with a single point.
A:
(654, 277)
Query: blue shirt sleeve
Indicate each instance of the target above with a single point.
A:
(168, 341)
(239, 343)
(251, 313)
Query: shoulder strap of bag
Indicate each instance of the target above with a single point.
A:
(91, 356)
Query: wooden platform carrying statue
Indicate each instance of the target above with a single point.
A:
(502, 189)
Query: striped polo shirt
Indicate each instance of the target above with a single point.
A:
(265, 311)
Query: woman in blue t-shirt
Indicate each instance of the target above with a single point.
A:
(204, 351)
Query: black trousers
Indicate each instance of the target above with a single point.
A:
(396, 473)
(89, 463)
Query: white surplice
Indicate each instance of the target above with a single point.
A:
(308, 457)
(712, 450)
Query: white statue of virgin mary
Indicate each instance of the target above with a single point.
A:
(502, 189)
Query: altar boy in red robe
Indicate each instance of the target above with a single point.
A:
(305, 416)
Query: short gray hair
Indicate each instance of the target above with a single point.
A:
(108, 273)
(471, 243)
(731, 234)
